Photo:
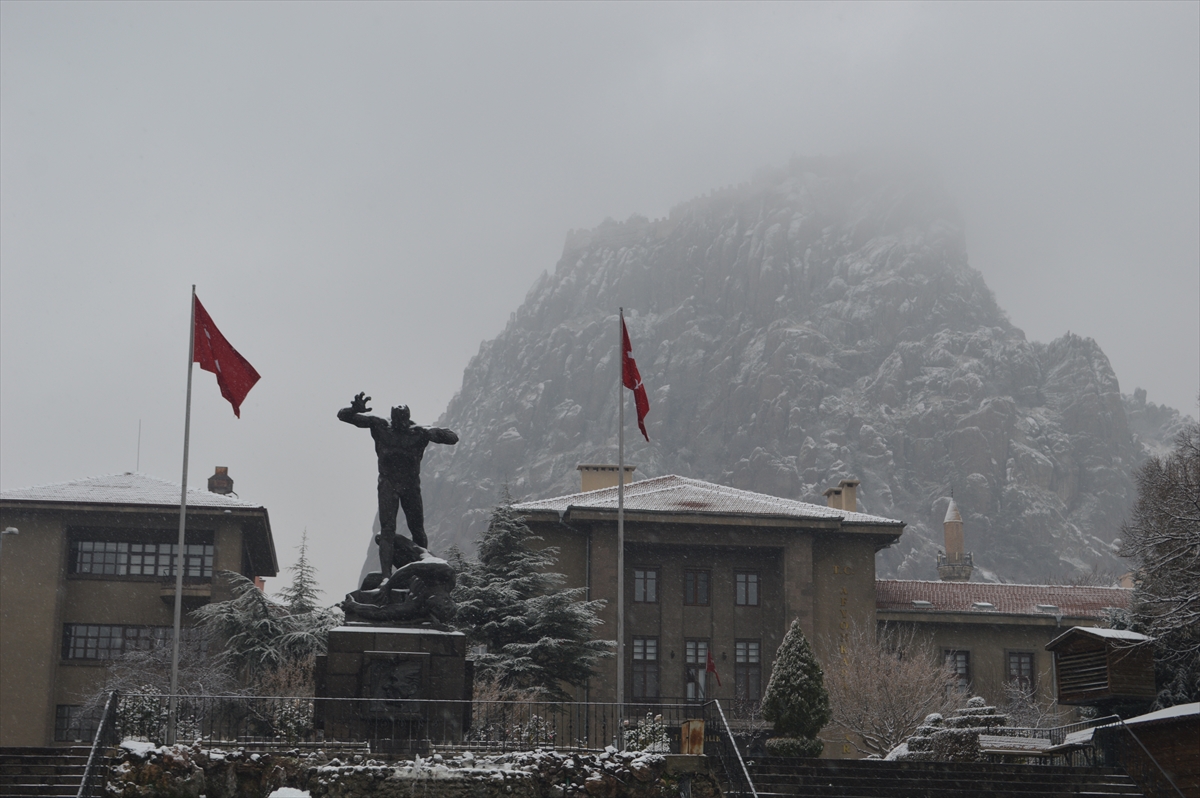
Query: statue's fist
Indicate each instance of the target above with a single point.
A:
(359, 405)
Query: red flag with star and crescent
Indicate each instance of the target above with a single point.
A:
(234, 373)
(633, 380)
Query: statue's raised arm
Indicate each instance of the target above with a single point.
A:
(354, 413)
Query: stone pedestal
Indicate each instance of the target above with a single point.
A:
(399, 688)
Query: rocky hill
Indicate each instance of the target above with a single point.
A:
(816, 323)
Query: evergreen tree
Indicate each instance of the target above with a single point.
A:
(1163, 537)
(302, 594)
(796, 700)
(260, 636)
(537, 633)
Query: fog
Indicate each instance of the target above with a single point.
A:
(363, 193)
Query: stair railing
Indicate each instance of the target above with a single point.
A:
(728, 753)
(92, 783)
(1146, 750)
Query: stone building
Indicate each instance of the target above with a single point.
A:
(711, 570)
(90, 573)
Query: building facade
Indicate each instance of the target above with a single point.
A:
(89, 573)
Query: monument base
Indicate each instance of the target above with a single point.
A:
(411, 687)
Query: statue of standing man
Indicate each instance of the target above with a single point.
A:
(400, 445)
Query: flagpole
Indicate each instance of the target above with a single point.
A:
(621, 512)
(179, 558)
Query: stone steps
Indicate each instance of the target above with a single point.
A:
(775, 777)
(42, 772)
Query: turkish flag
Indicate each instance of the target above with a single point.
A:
(633, 379)
(711, 667)
(234, 373)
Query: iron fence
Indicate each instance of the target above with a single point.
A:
(402, 725)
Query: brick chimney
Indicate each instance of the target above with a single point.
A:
(594, 476)
(849, 494)
(220, 481)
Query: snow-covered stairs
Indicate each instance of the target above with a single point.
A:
(41, 772)
(827, 778)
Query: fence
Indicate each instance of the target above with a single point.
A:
(413, 725)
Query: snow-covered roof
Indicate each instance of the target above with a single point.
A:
(675, 494)
(1177, 711)
(1043, 600)
(127, 488)
(1104, 634)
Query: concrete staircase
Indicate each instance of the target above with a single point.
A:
(42, 772)
(826, 778)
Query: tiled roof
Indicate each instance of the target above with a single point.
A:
(124, 488)
(675, 494)
(1075, 602)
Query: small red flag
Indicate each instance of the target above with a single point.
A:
(234, 373)
(633, 379)
(711, 667)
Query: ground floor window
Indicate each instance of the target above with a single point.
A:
(695, 665)
(100, 641)
(645, 667)
(747, 669)
(1019, 669)
(72, 724)
(959, 662)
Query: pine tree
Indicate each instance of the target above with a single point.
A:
(301, 596)
(537, 633)
(795, 699)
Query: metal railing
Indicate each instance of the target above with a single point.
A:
(728, 754)
(95, 772)
(403, 725)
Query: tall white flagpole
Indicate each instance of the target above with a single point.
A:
(621, 511)
(179, 558)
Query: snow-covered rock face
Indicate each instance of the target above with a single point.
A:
(818, 323)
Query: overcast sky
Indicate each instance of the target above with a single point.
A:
(364, 193)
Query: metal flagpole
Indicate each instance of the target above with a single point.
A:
(179, 559)
(621, 513)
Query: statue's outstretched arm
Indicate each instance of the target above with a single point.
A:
(440, 435)
(354, 413)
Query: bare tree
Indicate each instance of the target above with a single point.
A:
(1026, 708)
(884, 683)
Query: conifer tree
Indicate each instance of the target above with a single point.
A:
(796, 700)
(301, 595)
(537, 633)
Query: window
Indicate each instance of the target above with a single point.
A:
(645, 585)
(960, 663)
(747, 673)
(73, 725)
(121, 558)
(96, 641)
(747, 589)
(695, 587)
(1019, 669)
(695, 665)
(645, 667)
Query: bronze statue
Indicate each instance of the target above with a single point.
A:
(400, 445)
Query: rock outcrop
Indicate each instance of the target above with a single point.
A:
(819, 322)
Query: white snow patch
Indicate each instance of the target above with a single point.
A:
(290, 792)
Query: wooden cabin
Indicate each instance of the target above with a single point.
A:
(1096, 666)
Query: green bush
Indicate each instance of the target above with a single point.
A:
(794, 746)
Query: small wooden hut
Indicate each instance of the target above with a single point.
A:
(1100, 666)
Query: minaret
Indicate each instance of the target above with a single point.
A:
(955, 565)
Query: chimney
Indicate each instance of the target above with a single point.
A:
(834, 497)
(220, 481)
(595, 477)
(955, 565)
(849, 494)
